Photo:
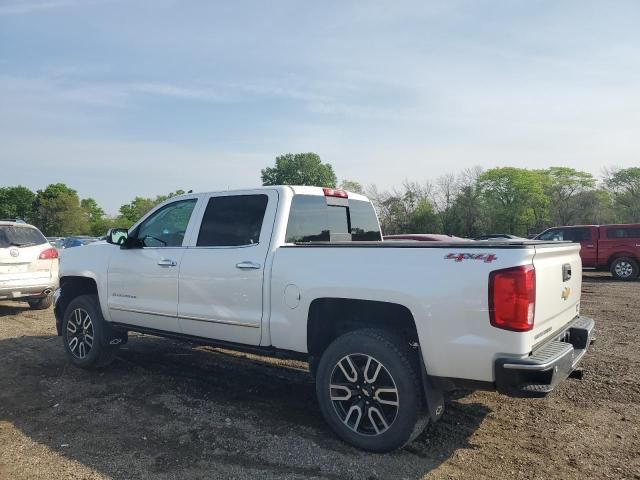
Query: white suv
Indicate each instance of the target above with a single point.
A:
(28, 265)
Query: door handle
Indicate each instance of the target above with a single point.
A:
(167, 262)
(248, 265)
(589, 246)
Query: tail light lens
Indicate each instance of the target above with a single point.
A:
(48, 254)
(512, 298)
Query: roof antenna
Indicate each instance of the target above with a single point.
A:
(190, 191)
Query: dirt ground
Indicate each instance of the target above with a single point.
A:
(166, 410)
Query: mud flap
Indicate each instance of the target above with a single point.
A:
(115, 336)
(433, 396)
(118, 336)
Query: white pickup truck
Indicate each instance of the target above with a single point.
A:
(302, 272)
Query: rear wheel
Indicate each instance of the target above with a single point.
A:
(369, 390)
(40, 303)
(87, 337)
(624, 268)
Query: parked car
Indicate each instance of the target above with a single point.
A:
(498, 236)
(301, 272)
(615, 248)
(71, 242)
(424, 237)
(54, 240)
(28, 265)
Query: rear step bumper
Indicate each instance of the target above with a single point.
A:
(548, 365)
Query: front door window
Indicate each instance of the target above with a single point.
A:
(167, 226)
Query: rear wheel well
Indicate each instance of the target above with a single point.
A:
(330, 318)
(70, 288)
(618, 255)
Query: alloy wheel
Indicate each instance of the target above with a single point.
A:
(364, 394)
(623, 269)
(80, 333)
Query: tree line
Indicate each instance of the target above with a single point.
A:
(511, 200)
(58, 211)
(473, 201)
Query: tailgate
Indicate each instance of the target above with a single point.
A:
(558, 285)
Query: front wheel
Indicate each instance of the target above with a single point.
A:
(87, 336)
(624, 268)
(369, 391)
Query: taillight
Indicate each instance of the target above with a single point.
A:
(48, 254)
(512, 298)
(332, 192)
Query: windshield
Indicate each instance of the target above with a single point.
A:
(15, 236)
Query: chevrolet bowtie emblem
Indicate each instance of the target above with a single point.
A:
(565, 293)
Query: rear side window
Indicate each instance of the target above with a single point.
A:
(308, 220)
(312, 220)
(232, 221)
(623, 232)
(11, 235)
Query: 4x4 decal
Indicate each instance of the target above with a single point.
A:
(485, 257)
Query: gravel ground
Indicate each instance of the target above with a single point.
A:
(166, 410)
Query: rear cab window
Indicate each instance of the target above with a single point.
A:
(313, 218)
(20, 236)
(623, 232)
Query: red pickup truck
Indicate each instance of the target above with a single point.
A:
(605, 247)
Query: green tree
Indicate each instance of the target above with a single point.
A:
(423, 219)
(57, 211)
(563, 188)
(131, 212)
(407, 210)
(594, 207)
(351, 186)
(16, 202)
(625, 185)
(92, 210)
(98, 223)
(515, 199)
(299, 169)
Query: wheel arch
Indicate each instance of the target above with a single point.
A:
(70, 288)
(330, 317)
(614, 256)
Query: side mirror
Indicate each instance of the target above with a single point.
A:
(117, 236)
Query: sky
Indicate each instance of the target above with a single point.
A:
(119, 98)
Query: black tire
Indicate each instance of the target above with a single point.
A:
(402, 423)
(40, 303)
(100, 352)
(624, 268)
